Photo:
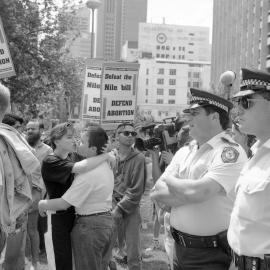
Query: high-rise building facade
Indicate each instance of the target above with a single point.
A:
(117, 22)
(177, 42)
(240, 37)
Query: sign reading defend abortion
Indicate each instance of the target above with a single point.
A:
(6, 65)
(91, 93)
(119, 90)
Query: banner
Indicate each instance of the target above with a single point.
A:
(119, 91)
(6, 65)
(91, 93)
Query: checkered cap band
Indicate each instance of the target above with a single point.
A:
(254, 82)
(195, 99)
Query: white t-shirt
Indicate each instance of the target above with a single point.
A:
(91, 192)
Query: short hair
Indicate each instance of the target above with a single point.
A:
(123, 125)
(58, 132)
(4, 98)
(97, 137)
(224, 117)
(11, 119)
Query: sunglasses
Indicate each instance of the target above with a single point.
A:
(247, 103)
(127, 133)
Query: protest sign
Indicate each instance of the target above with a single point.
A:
(6, 65)
(119, 91)
(91, 92)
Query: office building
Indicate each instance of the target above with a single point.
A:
(240, 37)
(164, 84)
(117, 22)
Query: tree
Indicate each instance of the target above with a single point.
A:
(37, 32)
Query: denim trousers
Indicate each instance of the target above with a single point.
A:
(91, 238)
(32, 243)
(131, 225)
(15, 249)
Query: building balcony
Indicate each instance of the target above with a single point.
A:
(268, 61)
(268, 39)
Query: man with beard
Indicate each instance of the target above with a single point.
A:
(36, 226)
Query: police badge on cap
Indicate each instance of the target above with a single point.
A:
(200, 98)
(253, 80)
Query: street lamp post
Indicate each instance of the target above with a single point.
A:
(93, 4)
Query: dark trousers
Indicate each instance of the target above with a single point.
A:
(200, 258)
(62, 224)
(42, 229)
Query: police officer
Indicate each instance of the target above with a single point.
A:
(249, 230)
(199, 187)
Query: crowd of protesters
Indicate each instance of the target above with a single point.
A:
(85, 202)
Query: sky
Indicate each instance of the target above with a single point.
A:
(181, 12)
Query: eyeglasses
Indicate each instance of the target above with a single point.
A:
(247, 103)
(127, 133)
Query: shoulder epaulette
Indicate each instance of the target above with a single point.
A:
(225, 140)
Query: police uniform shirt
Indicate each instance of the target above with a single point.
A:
(221, 160)
(249, 230)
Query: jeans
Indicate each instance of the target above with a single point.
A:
(33, 236)
(200, 258)
(91, 237)
(15, 250)
(132, 226)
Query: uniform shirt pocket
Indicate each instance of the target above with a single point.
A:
(251, 198)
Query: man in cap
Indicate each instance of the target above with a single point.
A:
(249, 230)
(199, 186)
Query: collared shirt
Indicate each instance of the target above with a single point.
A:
(42, 151)
(249, 231)
(221, 160)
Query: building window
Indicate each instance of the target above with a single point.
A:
(167, 48)
(160, 91)
(190, 52)
(171, 92)
(157, 55)
(191, 43)
(171, 101)
(173, 48)
(147, 81)
(159, 113)
(163, 55)
(183, 57)
(160, 81)
(159, 101)
(146, 101)
(146, 92)
(167, 56)
(147, 71)
(161, 71)
(172, 71)
(173, 57)
(158, 47)
(196, 75)
(183, 49)
(179, 48)
(189, 84)
(196, 84)
(163, 47)
(189, 74)
(191, 34)
(172, 81)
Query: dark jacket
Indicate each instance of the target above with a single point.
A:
(130, 178)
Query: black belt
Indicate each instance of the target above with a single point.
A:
(194, 241)
(95, 214)
(248, 263)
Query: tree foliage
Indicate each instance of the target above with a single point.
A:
(37, 33)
